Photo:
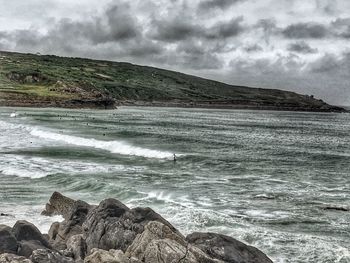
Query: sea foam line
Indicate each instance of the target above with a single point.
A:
(111, 146)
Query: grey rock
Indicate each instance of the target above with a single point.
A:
(24, 230)
(53, 231)
(59, 233)
(111, 256)
(227, 248)
(26, 248)
(3, 214)
(112, 225)
(76, 245)
(58, 205)
(159, 244)
(11, 258)
(49, 256)
(8, 242)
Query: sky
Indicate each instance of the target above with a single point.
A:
(297, 45)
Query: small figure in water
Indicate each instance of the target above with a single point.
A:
(174, 157)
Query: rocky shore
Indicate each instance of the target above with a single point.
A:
(113, 233)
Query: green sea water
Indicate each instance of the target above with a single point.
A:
(279, 181)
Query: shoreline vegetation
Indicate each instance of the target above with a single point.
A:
(28, 80)
(113, 233)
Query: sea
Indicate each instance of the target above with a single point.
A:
(279, 181)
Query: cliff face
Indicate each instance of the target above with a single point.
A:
(34, 80)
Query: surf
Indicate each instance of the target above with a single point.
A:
(116, 147)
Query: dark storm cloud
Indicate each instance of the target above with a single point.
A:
(180, 29)
(330, 63)
(305, 30)
(252, 48)
(116, 24)
(301, 47)
(115, 30)
(223, 30)
(341, 27)
(174, 30)
(207, 5)
(268, 27)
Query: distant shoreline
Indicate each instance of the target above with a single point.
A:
(180, 105)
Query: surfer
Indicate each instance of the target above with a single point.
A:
(174, 157)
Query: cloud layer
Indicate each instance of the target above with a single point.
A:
(286, 44)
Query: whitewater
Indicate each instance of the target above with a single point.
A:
(276, 180)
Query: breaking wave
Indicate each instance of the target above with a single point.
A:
(111, 146)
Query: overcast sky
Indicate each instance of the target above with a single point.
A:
(298, 45)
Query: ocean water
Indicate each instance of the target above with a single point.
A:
(262, 177)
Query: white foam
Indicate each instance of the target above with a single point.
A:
(111, 146)
(37, 167)
(29, 213)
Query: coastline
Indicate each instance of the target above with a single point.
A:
(98, 105)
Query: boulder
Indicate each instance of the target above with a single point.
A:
(76, 245)
(8, 242)
(49, 256)
(26, 248)
(159, 244)
(59, 233)
(58, 205)
(227, 248)
(111, 256)
(11, 258)
(24, 230)
(112, 225)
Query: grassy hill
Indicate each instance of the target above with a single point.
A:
(52, 81)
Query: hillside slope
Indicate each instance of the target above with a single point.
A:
(51, 81)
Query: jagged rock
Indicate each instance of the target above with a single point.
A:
(11, 258)
(112, 225)
(111, 256)
(53, 231)
(3, 214)
(226, 248)
(26, 248)
(76, 245)
(159, 244)
(8, 242)
(49, 256)
(60, 232)
(103, 233)
(24, 230)
(65, 230)
(58, 205)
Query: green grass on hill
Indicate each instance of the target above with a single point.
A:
(61, 78)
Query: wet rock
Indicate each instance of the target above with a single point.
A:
(60, 232)
(158, 244)
(226, 248)
(24, 230)
(26, 248)
(111, 256)
(3, 214)
(76, 245)
(112, 225)
(11, 258)
(58, 205)
(49, 256)
(8, 242)
(53, 231)
(336, 208)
